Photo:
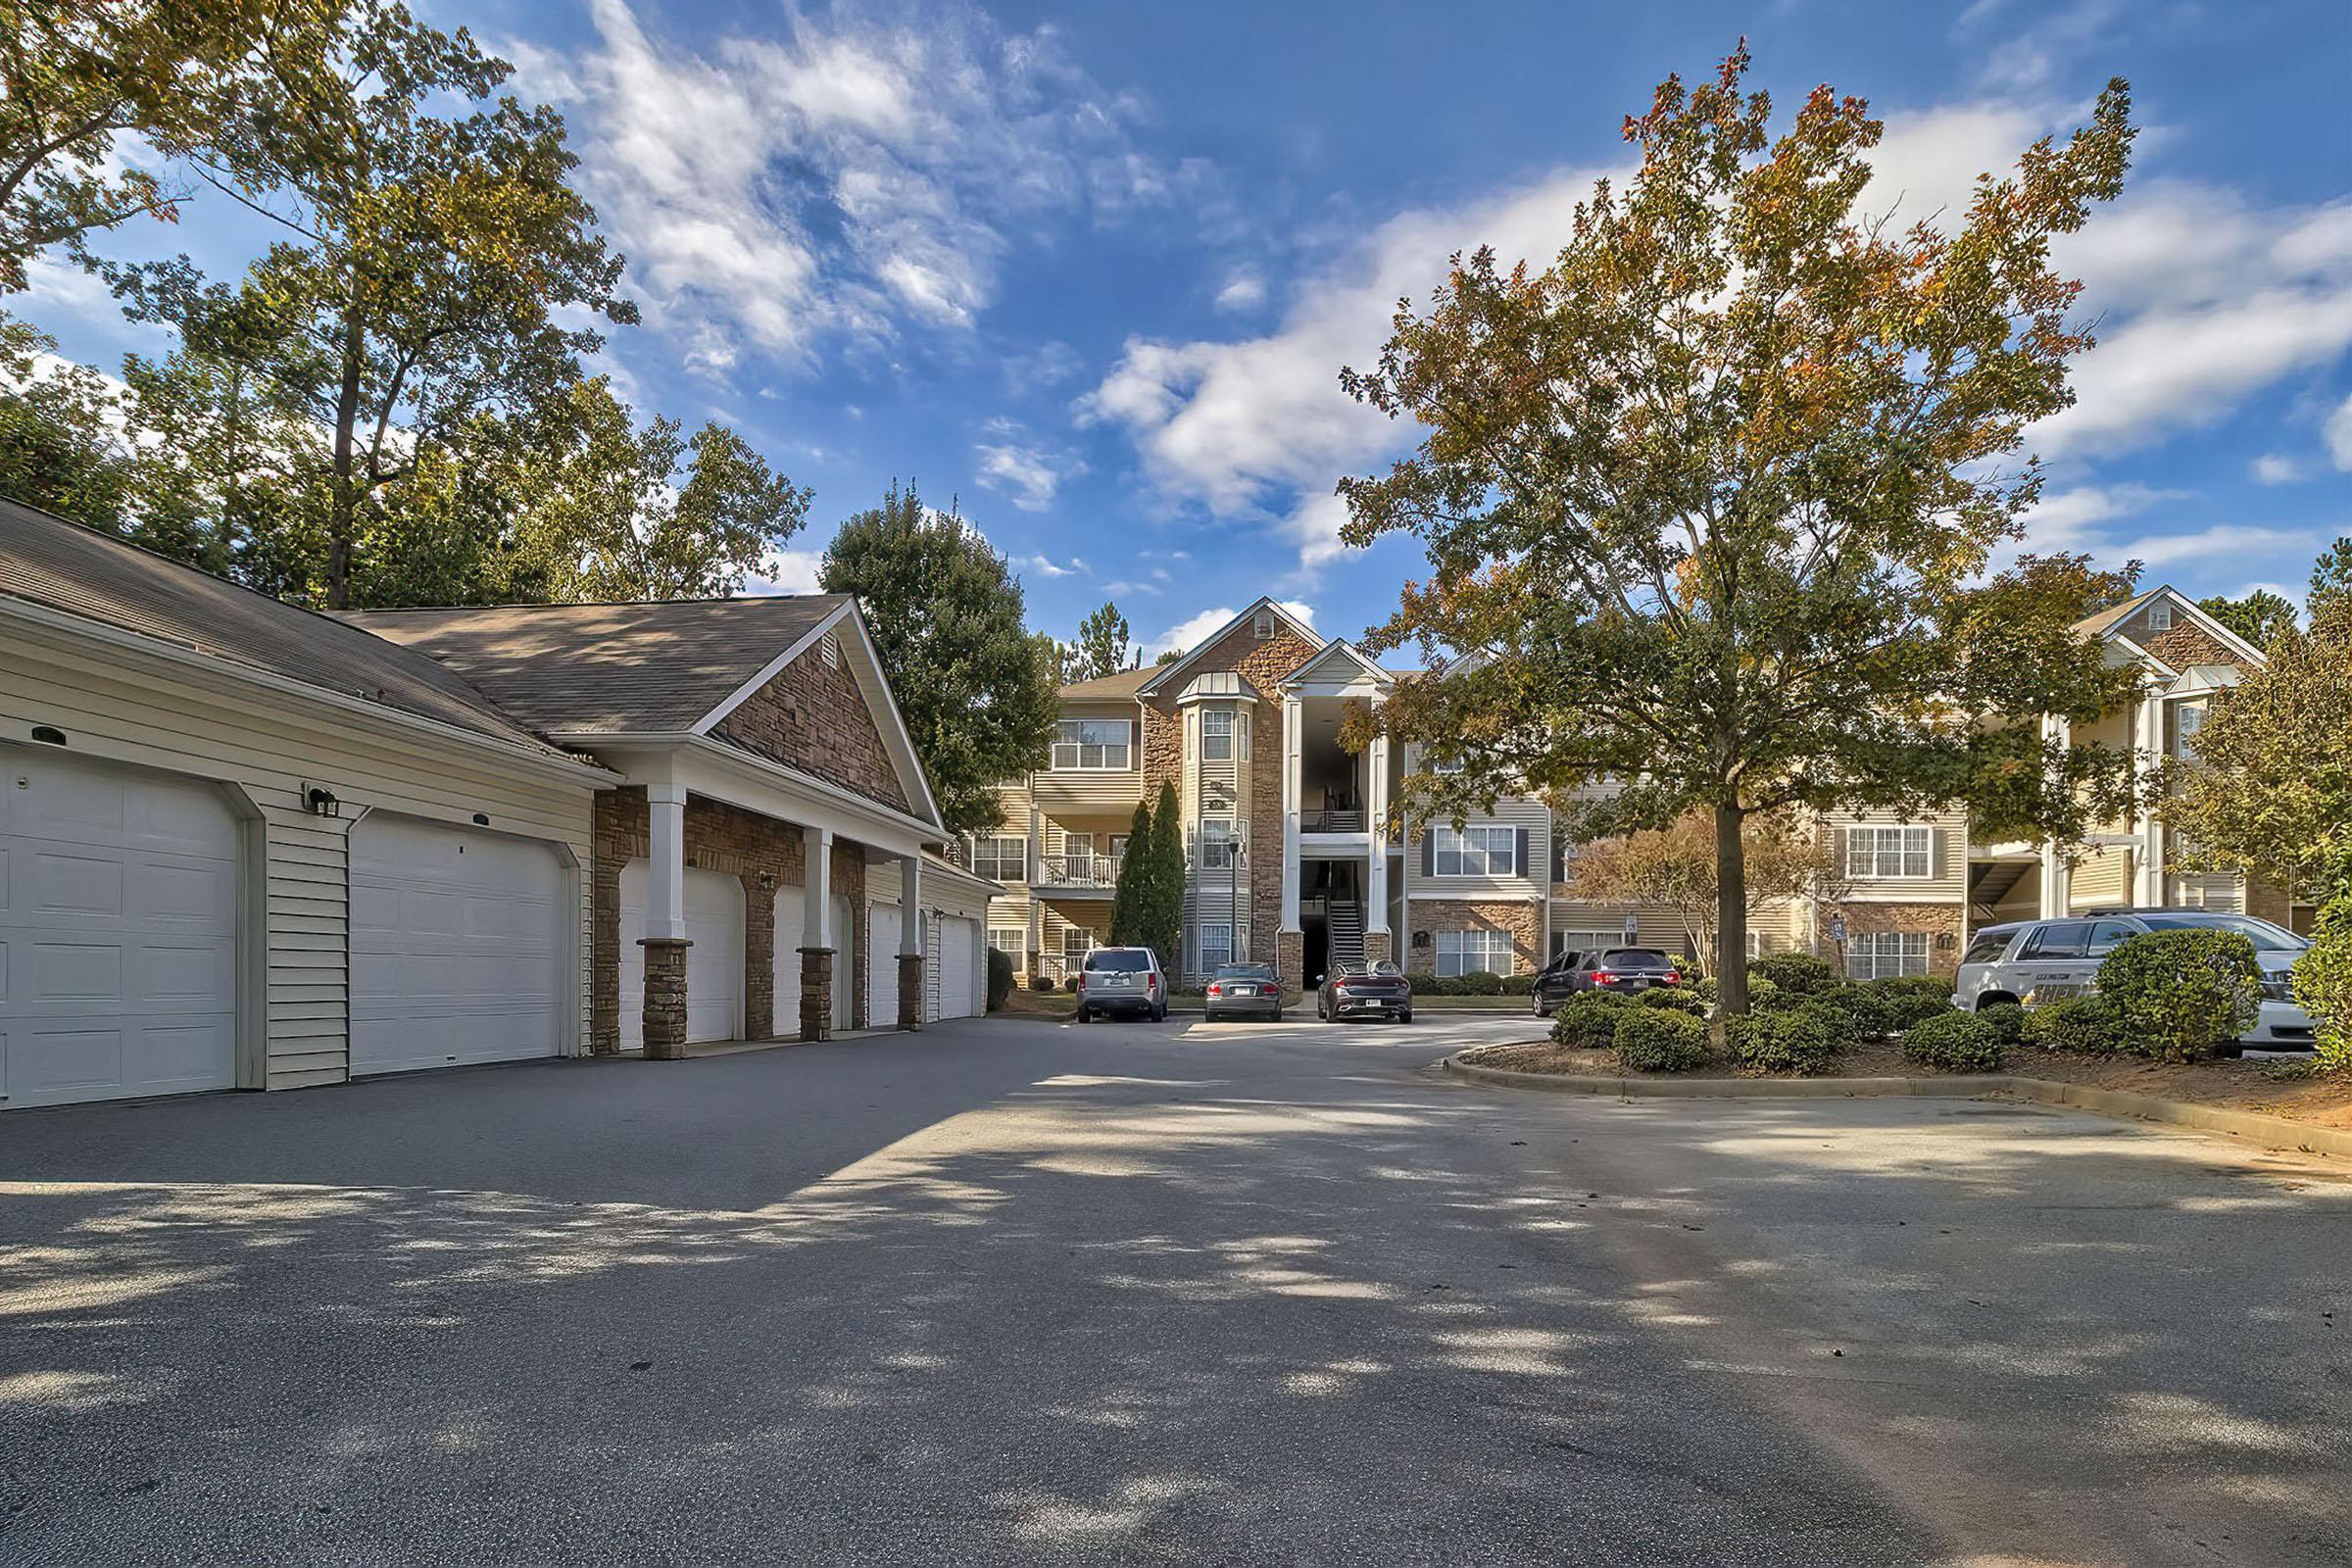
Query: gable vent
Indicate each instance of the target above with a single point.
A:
(2160, 616)
(828, 648)
(1264, 627)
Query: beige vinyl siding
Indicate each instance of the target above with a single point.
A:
(1946, 880)
(2102, 879)
(1096, 790)
(1533, 879)
(152, 712)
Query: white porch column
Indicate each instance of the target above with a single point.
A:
(1293, 759)
(816, 888)
(666, 872)
(1376, 819)
(2057, 876)
(2148, 885)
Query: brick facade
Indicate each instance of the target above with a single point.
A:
(1522, 920)
(765, 854)
(814, 718)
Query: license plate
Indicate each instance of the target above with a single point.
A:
(1120, 980)
(1637, 984)
(1243, 991)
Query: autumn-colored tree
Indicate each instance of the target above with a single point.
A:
(2270, 793)
(1709, 500)
(1676, 867)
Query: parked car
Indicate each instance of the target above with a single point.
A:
(1123, 980)
(1554, 984)
(2034, 961)
(1623, 969)
(1353, 989)
(1243, 991)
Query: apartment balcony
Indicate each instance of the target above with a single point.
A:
(1079, 876)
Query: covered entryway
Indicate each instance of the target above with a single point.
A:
(457, 944)
(882, 967)
(119, 896)
(713, 963)
(954, 940)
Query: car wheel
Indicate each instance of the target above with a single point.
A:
(2230, 1047)
(1407, 1016)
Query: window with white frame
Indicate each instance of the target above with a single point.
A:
(2189, 717)
(1888, 852)
(1215, 947)
(1216, 844)
(1475, 952)
(1001, 857)
(1884, 954)
(1585, 941)
(1216, 736)
(1241, 729)
(2160, 616)
(1475, 851)
(1076, 943)
(1011, 940)
(1091, 743)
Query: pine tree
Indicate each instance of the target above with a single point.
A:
(1126, 926)
(1161, 910)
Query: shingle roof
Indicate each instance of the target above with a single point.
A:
(2114, 614)
(1108, 688)
(614, 669)
(52, 562)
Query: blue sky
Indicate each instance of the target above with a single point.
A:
(1094, 269)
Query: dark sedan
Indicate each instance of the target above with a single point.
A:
(1352, 990)
(1556, 984)
(1624, 969)
(1243, 991)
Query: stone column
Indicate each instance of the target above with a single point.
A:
(819, 939)
(1376, 946)
(910, 942)
(1290, 958)
(665, 1019)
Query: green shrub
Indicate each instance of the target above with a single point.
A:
(2179, 994)
(1041, 982)
(1706, 990)
(1800, 972)
(1000, 979)
(1837, 1024)
(2008, 1020)
(2324, 986)
(1673, 999)
(1955, 1042)
(1518, 984)
(1071, 983)
(1866, 1012)
(1911, 998)
(1479, 983)
(1588, 1018)
(1654, 1039)
(1779, 1041)
(2082, 1026)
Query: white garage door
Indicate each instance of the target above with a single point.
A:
(117, 932)
(791, 918)
(882, 967)
(957, 937)
(456, 939)
(714, 964)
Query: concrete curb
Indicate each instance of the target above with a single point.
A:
(2267, 1132)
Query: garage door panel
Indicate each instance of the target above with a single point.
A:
(882, 967)
(64, 884)
(435, 980)
(957, 936)
(714, 906)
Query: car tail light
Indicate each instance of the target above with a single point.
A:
(1674, 977)
(1152, 977)
(1605, 975)
(1216, 990)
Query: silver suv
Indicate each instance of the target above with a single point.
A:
(2034, 961)
(1123, 980)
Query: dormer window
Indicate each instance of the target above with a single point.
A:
(2160, 616)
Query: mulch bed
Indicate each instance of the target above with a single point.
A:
(2234, 1085)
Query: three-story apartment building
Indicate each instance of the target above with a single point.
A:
(1298, 852)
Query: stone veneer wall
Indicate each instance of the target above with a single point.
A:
(2184, 645)
(764, 853)
(1524, 920)
(1937, 920)
(815, 718)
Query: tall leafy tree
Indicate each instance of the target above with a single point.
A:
(1710, 498)
(609, 509)
(2259, 617)
(1101, 647)
(1676, 867)
(430, 261)
(2270, 793)
(1135, 872)
(61, 444)
(1159, 911)
(976, 688)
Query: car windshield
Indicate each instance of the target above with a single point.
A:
(1634, 959)
(2261, 933)
(1129, 958)
(1245, 971)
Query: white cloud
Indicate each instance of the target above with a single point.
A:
(1187, 634)
(1245, 290)
(2339, 435)
(2065, 520)
(2221, 539)
(2274, 468)
(791, 571)
(1026, 475)
(1048, 567)
(846, 176)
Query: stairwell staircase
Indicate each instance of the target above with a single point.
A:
(1346, 927)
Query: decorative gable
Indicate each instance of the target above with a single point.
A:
(812, 715)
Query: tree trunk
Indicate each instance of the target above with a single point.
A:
(1730, 912)
(344, 508)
